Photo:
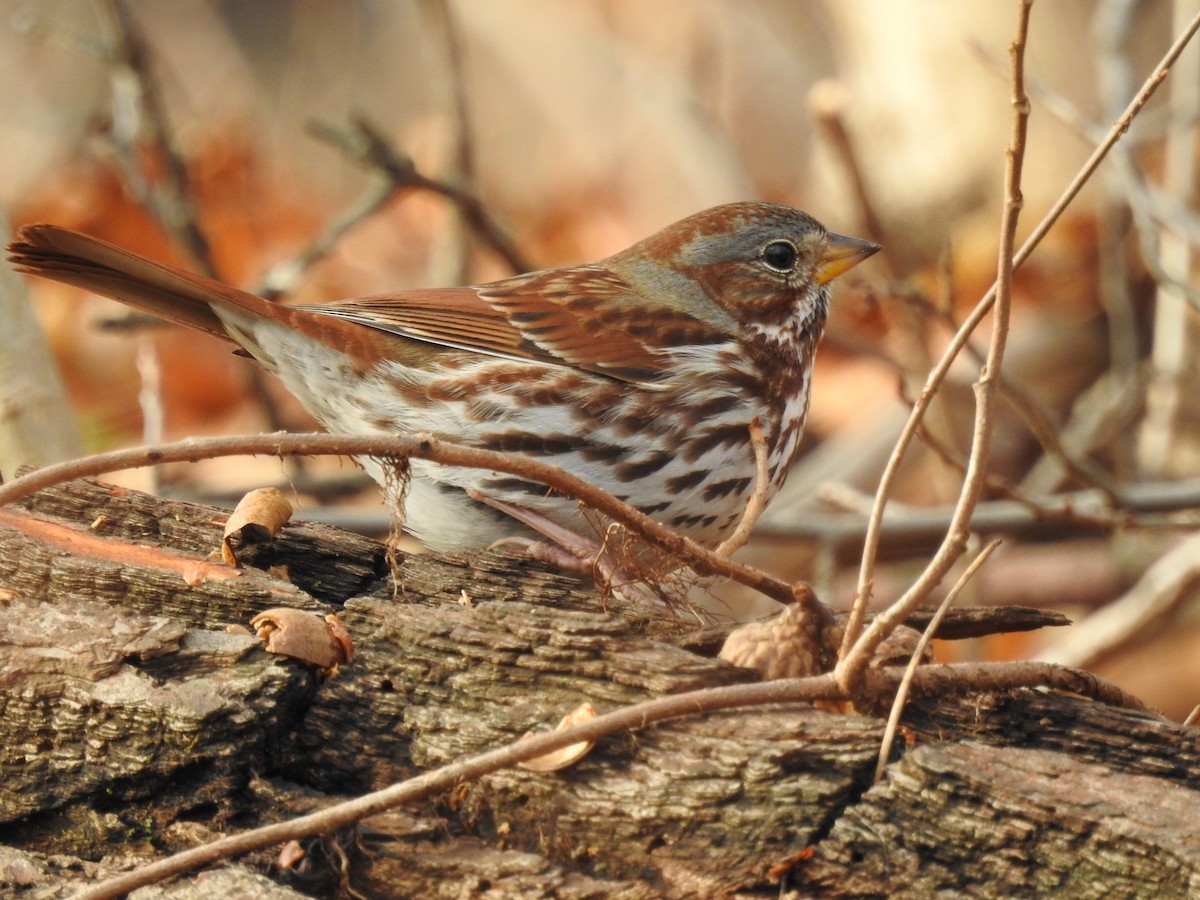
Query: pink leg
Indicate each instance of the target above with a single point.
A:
(571, 552)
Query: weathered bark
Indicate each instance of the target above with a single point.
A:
(131, 723)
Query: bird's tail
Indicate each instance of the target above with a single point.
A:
(95, 265)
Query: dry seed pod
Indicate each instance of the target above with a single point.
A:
(568, 755)
(780, 647)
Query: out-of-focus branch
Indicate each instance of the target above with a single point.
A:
(938, 375)
(36, 425)
(365, 143)
(140, 115)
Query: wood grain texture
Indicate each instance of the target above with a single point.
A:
(131, 723)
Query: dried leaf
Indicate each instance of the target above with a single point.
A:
(302, 635)
(256, 519)
(289, 855)
(564, 756)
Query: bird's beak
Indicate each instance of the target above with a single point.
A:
(841, 254)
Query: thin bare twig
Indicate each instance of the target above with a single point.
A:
(758, 497)
(1043, 508)
(930, 681)
(282, 278)
(938, 375)
(857, 650)
(1036, 419)
(918, 654)
(827, 103)
(420, 446)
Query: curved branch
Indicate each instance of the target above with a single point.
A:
(419, 446)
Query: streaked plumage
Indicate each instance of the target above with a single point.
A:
(640, 372)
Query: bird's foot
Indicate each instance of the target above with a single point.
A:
(572, 552)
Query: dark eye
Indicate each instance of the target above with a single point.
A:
(780, 256)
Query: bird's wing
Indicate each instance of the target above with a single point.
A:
(585, 317)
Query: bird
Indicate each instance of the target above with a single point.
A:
(640, 373)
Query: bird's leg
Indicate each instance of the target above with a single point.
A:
(572, 552)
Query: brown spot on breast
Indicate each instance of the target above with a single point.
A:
(686, 482)
(724, 488)
(716, 436)
(631, 471)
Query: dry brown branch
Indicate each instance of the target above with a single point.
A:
(938, 375)
(702, 560)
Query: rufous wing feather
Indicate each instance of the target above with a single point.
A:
(576, 317)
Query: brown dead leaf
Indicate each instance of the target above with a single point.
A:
(564, 756)
(255, 520)
(302, 635)
(289, 855)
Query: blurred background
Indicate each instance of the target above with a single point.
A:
(314, 150)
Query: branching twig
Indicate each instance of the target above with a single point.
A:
(938, 375)
(283, 277)
(1044, 509)
(366, 144)
(1036, 419)
(857, 650)
(918, 656)
(930, 680)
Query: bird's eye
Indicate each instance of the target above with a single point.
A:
(780, 256)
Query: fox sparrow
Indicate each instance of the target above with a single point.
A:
(640, 373)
